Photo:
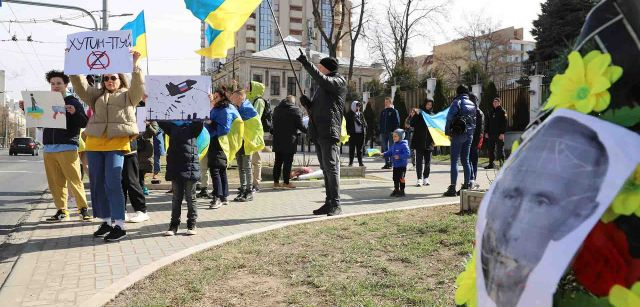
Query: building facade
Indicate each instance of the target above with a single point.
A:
(295, 18)
(502, 52)
(271, 67)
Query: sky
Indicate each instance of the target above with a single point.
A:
(173, 34)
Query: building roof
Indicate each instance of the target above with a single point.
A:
(277, 52)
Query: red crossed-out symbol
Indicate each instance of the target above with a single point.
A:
(98, 60)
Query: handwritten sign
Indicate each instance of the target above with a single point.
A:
(178, 97)
(44, 109)
(103, 52)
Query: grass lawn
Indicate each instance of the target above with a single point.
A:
(445, 158)
(398, 259)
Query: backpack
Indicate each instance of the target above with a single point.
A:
(267, 115)
(459, 123)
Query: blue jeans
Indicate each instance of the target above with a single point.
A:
(105, 174)
(473, 156)
(387, 142)
(460, 148)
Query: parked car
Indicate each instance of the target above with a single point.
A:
(23, 146)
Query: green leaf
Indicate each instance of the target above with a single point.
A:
(626, 117)
(581, 299)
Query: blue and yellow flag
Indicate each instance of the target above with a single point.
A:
(253, 135)
(138, 34)
(436, 124)
(344, 136)
(232, 141)
(224, 18)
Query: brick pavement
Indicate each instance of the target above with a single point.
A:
(63, 265)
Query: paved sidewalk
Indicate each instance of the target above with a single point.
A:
(63, 265)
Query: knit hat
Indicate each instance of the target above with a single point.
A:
(400, 133)
(330, 63)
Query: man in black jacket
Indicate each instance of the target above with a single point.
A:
(287, 121)
(389, 122)
(496, 127)
(325, 111)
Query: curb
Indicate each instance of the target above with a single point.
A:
(300, 184)
(105, 295)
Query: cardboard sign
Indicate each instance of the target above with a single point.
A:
(140, 120)
(98, 52)
(44, 109)
(177, 97)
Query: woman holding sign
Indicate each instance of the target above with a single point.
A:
(109, 132)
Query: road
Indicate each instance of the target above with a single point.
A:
(22, 182)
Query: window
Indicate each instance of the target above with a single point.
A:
(295, 20)
(325, 10)
(257, 78)
(295, 8)
(295, 32)
(251, 28)
(265, 35)
(251, 40)
(275, 85)
(291, 86)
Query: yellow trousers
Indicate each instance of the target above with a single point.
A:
(63, 167)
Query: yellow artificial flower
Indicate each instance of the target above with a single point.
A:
(584, 85)
(467, 292)
(620, 296)
(627, 202)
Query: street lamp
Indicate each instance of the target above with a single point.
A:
(64, 23)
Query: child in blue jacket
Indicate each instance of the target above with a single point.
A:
(399, 154)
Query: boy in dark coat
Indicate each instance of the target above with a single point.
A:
(399, 154)
(287, 120)
(183, 170)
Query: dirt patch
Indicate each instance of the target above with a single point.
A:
(399, 258)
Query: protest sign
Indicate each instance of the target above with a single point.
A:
(177, 97)
(140, 120)
(98, 52)
(44, 109)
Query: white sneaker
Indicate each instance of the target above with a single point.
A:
(139, 217)
(475, 185)
(426, 182)
(127, 217)
(419, 183)
(216, 205)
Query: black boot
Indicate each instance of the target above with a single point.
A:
(248, 195)
(203, 193)
(464, 187)
(490, 166)
(322, 210)
(451, 191)
(240, 197)
(394, 193)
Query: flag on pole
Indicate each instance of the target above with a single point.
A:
(224, 18)
(138, 34)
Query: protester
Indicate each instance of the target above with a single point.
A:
(356, 128)
(145, 152)
(221, 118)
(256, 90)
(109, 131)
(460, 127)
(158, 151)
(422, 142)
(494, 134)
(389, 122)
(61, 160)
(131, 185)
(246, 110)
(203, 183)
(326, 113)
(183, 170)
(408, 131)
(287, 121)
(476, 144)
(399, 153)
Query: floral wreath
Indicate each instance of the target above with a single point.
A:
(606, 270)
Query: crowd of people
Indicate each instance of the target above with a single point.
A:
(104, 143)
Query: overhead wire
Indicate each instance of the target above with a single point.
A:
(30, 43)
(45, 20)
(23, 54)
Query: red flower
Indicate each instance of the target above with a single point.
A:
(604, 260)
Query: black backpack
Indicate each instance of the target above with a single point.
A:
(459, 123)
(267, 115)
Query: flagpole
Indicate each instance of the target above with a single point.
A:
(285, 46)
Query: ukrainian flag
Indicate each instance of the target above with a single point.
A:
(253, 135)
(344, 136)
(224, 18)
(436, 124)
(138, 34)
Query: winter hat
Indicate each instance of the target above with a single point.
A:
(462, 90)
(330, 63)
(400, 133)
